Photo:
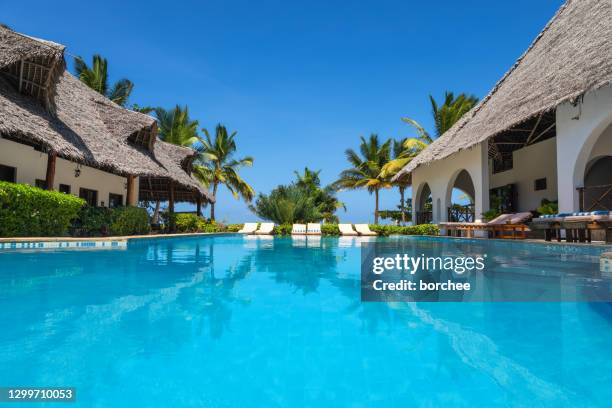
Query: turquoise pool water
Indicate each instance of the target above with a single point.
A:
(234, 321)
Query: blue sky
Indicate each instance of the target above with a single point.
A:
(300, 82)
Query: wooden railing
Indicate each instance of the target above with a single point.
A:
(593, 198)
(424, 217)
(461, 213)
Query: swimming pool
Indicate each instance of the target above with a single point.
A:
(244, 321)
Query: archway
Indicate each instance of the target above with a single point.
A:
(460, 196)
(423, 205)
(597, 190)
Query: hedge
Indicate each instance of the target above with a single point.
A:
(31, 211)
(102, 221)
(383, 230)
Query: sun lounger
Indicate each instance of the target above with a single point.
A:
(503, 226)
(578, 226)
(551, 224)
(265, 228)
(248, 228)
(364, 229)
(313, 229)
(347, 230)
(298, 229)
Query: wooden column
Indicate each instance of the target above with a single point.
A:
(171, 205)
(131, 191)
(50, 177)
(199, 205)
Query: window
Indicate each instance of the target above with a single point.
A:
(115, 200)
(41, 184)
(64, 188)
(540, 184)
(7, 173)
(90, 196)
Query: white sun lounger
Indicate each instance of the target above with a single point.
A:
(313, 229)
(347, 230)
(248, 228)
(298, 229)
(364, 229)
(265, 228)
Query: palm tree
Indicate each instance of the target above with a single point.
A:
(366, 169)
(445, 116)
(216, 165)
(399, 150)
(96, 78)
(176, 127)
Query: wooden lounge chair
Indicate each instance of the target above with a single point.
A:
(347, 230)
(364, 230)
(298, 229)
(510, 226)
(313, 229)
(551, 224)
(248, 228)
(578, 226)
(265, 228)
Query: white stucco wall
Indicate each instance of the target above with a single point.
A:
(529, 164)
(32, 165)
(579, 132)
(441, 174)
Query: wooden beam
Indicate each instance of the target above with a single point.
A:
(542, 133)
(50, 177)
(171, 205)
(198, 205)
(131, 191)
(534, 129)
(20, 75)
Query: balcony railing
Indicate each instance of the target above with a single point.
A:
(461, 213)
(593, 198)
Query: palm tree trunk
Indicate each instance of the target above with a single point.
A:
(156, 213)
(376, 208)
(402, 208)
(212, 205)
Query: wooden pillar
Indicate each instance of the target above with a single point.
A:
(131, 191)
(199, 205)
(50, 177)
(171, 205)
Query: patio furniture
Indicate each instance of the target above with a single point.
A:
(313, 229)
(248, 228)
(265, 228)
(510, 226)
(578, 226)
(347, 230)
(298, 229)
(364, 230)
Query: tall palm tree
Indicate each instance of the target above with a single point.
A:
(444, 116)
(96, 77)
(398, 150)
(176, 127)
(366, 168)
(216, 165)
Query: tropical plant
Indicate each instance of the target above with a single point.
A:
(216, 165)
(324, 198)
(176, 127)
(96, 77)
(366, 170)
(142, 109)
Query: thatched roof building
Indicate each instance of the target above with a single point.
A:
(570, 57)
(43, 105)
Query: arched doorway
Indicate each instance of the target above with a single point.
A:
(460, 198)
(423, 205)
(596, 191)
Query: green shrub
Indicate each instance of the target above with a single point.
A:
(330, 229)
(282, 229)
(31, 211)
(187, 222)
(233, 227)
(92, 221)
(421, 229)
(129, 221)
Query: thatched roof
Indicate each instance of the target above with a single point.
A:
(86, 127)
(571, 56)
